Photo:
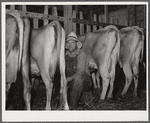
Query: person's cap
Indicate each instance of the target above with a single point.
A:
(72, 36)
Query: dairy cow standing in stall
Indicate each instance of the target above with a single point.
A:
(100, 51)
(17, 57)
(47, 55)
(131, 54)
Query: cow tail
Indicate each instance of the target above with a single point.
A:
(58, 35)
(141, 32)
(60, 46)
(118, 43)
(142, 48)
(19, 20)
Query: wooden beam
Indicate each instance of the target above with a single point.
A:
(39, 16)
(87, 22)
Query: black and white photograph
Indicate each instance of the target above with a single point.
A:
(74, 61)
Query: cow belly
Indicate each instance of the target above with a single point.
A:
(34, 68)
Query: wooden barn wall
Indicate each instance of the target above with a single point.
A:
(119, 17)
(80, 20)
(140, 16)
(137, 15)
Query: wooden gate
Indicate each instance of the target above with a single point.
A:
(68, 19)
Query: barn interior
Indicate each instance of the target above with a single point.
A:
(82, 19)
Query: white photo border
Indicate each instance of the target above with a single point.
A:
(13, 116)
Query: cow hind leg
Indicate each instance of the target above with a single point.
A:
(94, 80)
(105, 84)
(128, 76)
(63, 92)
(112, 75)
(98, 80)
(110, 93)
(135, 71)
(48, 85)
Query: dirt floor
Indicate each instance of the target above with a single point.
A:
(89, 101)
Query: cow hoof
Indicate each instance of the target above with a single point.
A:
(135, 96)
(110, 98)
(121, 97)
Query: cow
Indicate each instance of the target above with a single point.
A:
(47, 50)
(17, 57)
(131, 54)
(100, 51)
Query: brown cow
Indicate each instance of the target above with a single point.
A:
(47, 55)
(17, 39)
(102, 49)
(131, 53)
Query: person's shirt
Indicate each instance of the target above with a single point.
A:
(71, 65)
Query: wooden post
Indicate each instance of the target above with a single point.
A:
(106, 13)
(81, 25)
(94, 26)
(12, 6)
(54, 9)
(45, 12)
(88, 28)
(24, 8)
(68, 18)
(74, 24)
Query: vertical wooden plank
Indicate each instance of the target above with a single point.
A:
(24, 8)
(106, 13)
(55, 11)
(90, 18)
(111, 20)
(88, 27)
(100, 20)
(81, 25)
(12, 6)
(45, 12)
(95, 19)
(126, 22)
(35, 23)
(130, 23)
(68, 18)
(74, 24)
(116, 21)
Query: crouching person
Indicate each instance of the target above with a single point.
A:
(78, 77)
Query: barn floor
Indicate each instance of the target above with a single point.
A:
(129, 103)
(90, 100)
